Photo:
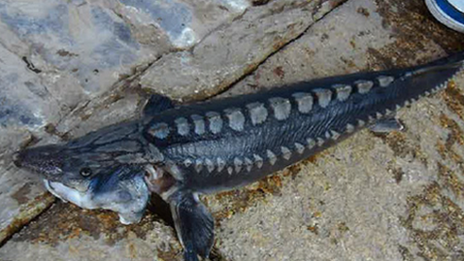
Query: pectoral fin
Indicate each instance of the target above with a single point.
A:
(386, 126)
(122, 190)
(194, 225)
(157, 103)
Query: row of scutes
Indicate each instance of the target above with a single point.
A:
(280, 108)
(258, 112)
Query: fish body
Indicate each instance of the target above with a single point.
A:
(207, 147)
(222, 144)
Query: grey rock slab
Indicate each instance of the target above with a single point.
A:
(77, 38)
(65, 233)
(389, 197)
(62, 53)
(234, 50)
(184, 23)
(30, 100)
(97, 42)
(112, 109)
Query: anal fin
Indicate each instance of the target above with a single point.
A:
(130, 217)
(386, 126)
(194, 225)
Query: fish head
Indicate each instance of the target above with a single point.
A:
(75, 163)
(103, 169)
(59, 164)
(90, 180)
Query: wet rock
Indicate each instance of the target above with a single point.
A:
(233, 50)
(65, 233)
(389, 197)
(184, 23)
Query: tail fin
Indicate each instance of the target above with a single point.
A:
(456, 58)
(437, 72)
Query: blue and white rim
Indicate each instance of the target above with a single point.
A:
(446, 13)
(457, 4)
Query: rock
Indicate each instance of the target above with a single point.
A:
(232, 51)
(390, 197)
(65, 233)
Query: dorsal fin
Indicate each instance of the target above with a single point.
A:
(157, 103)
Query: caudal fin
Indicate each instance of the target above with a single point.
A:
(455, 58)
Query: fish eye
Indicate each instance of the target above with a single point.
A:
(85, 172)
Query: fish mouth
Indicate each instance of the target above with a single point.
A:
(65, 193)
(51, 189)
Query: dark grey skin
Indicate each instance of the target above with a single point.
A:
(223, 144)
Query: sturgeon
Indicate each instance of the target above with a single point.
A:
(180, 151)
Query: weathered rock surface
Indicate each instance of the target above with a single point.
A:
(392, 197)
(233, 50)
(66, 232)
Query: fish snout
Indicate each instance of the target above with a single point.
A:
(26, 157)
(44, 159)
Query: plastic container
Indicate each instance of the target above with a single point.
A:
(448, 12)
